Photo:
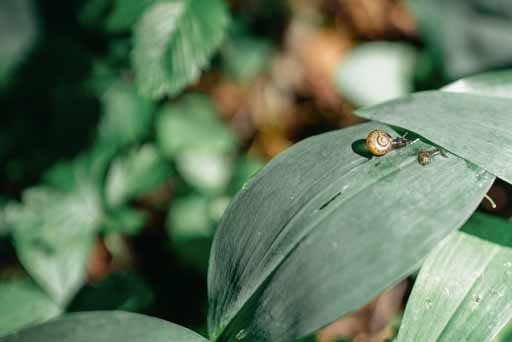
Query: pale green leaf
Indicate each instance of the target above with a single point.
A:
(376, 72)
(106, 326)
(294, 249)
(496, 83)
(471, 126)
(23, 304)
(53, 234)
(189, 219)
(174, 40)
(463, 291)
(132, 174)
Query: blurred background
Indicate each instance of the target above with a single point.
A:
(109, 199)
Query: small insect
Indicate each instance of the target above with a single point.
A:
(379, 142)
(425, 157)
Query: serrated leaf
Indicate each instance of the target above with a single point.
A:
(53, 234)
(471, 126)
(23, 304)
(18, 34)
(106, 326)
(189, 132)
(496, 83)
(174, 41)
(321, 212)
(376, 72)
(463, 290)
(135, 173)
(125, 14)
(127, 117)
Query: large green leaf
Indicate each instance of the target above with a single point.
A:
(474, 127)
(174, 41)
(463, 291)
(106, 326)
(53, 234)
(496, 83)
(23, 303)
(294, 250)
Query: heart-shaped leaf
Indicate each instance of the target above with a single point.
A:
(294, 250)
(106, 326)
(463, 291)
(475, 127)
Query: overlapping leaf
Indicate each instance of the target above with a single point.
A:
(321, 212)
(463, 291)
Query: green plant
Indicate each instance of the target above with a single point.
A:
(314, 235)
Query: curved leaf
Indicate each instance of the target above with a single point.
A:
(23, 303)
(463, 291)
(105, 326)
(174, 41)
(294, 249)
(474, 127)
(496, 83)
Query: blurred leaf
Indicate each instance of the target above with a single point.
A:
(466, 36)
(321, 214)
(463, 291)
(245, 57)
(123, 220)
(127, 116)
(53, 234)
(106, 326)
(174, 41)
(482, 134)
(119, 291)
(135, 173)
(496, 83)
(189, 218)
(125, 14)
(93, 12)
(18, 33)
(376, 72)
(190, 132)
(23, 304)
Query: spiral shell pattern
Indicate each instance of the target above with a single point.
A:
(379, 142)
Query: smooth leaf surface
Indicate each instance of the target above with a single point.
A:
(23, 303)
(106, 326)
(496, 83)
(376, 72)
(294, 249)
(463, 291)
(174, 41)
(476, 128)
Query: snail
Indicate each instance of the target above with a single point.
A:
(380, 142)
(425, 157)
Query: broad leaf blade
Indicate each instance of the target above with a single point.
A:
(23, 303)
(477, 128)
(174, 41)
(463, 291)
(294, 249)
(106, 326)
(496, 83)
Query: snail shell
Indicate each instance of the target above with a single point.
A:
(424, 158)
(379, 142)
